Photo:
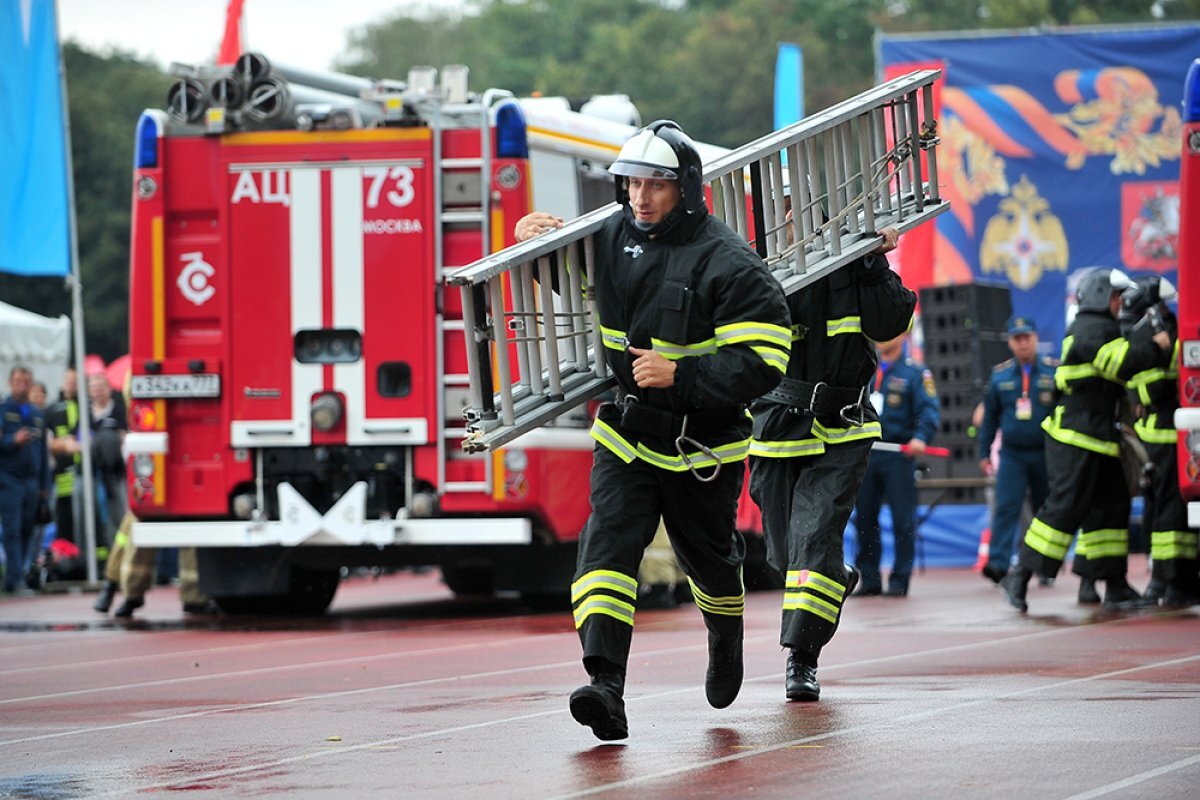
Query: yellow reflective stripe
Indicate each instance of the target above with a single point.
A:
(825, 585)
(739, 332)
(1170, 545)
(673, 351)
(613, 339)
(64, 483)
(803, 601)
(786, 449)
(1048, 541)
(792, 580)
(775, 358)
(1065, 373)
(603, 433)
(1110, 357)
(1141, 383)
(1052, 425)
(1148, 431)
(1105, 543)
(729, 606)
(870, 430)
(726, 454)
(604, 578)
(608, 606)
(844, 325)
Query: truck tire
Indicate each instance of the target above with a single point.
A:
(310, 591)
(468, 580)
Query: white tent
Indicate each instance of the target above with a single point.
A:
(40, 343)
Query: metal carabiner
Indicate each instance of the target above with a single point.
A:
(683, 438)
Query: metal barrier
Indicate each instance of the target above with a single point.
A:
(534, 349)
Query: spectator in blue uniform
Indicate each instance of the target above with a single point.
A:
(909, 413)
(1019, 396)
(22, 474)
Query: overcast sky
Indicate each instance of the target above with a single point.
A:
(300, 33)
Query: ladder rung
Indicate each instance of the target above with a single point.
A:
(462, 163)
(474, 216)
(453, 487)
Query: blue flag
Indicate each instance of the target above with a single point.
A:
(789, 85)
(34, 236)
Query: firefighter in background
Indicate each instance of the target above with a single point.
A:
(663, 583)
(23, 473)
(1173, 545)
(1020, 394)
(130, 570)
(909, 414)
(62, 425)
(694, 327)
(812, 439)
(1087, 485)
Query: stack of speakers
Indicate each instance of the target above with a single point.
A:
(965, 336)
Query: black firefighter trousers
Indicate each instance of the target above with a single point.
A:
(701, 520)
(806, 502)
(1088, 494)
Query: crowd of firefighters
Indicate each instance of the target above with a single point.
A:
(713, 364)
(41, 496)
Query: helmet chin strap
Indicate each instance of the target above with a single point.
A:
(656, 229)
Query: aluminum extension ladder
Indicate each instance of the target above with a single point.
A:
(852, 169)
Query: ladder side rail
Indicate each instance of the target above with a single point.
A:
(821, 121)
(529, 250)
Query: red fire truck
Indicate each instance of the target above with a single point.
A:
(1187, 418)
(299, 372)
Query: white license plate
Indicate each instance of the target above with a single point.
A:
(159, 386)
(1190, 350)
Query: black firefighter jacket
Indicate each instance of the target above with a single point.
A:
(699, 296)
(834, 324)
(1097, 361)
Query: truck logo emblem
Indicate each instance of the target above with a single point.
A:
(193, 279)
(635, 251)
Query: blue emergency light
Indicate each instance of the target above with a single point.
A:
(511, 139)
(1191, 93)
(145, 149)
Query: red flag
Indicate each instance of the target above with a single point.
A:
(231, 42)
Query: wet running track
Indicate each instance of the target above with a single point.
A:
(405, 691)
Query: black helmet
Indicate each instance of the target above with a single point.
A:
(1146, 291)
(1096, 288)
(662, 150)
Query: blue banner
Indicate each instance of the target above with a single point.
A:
(1059, 152)
(789, 85)
(34, 237)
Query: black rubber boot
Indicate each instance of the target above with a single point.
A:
(723, 680)
(1155, 590)
(1088, 596)
(1015, 585)
(126, 609)
(801, 683)
(1120, 595)
(1176, 594)
(107, 595)
(601, 705)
